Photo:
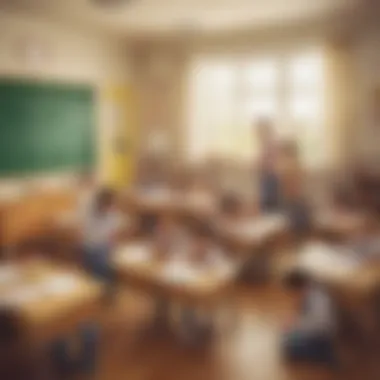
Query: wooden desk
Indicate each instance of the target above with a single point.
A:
(32, 215)
(253, 233)
(205, 288)
(338, 223)
(165, 201)
(153, 202)
(49, 301)
(353, 285)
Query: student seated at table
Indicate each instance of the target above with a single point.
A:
(365, 241)
(203, 254)
(87, 191)
(101, 228)
(203, 249)
(310, 337)
(170, 235)
(168, 239)
(292, 179)
(231, 208)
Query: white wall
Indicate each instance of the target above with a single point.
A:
(366, 55)
(35, 48)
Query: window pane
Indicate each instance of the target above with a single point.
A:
(305, 107)
(211, 107)
(262, 74)
(306, 71)
(260, 107)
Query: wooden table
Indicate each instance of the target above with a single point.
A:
(204, 288)
(253, 233)
(165, 201)
(32, 215)
(354, 286)
(49, 301)
(338, 223)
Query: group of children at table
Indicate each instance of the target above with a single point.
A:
(309, 337)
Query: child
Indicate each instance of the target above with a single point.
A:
(231, 209)
(365, 241)
(169, 239)
(87, 192)
(269, 190)
(311, 336)
(203, 253)
(169, 236)
(101, 228)
(293, 195)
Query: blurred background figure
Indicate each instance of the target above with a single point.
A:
(269, 188)
(310, 336)
(292, 184)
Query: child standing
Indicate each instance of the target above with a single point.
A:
(292, 179)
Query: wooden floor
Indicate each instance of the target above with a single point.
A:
(245, 350)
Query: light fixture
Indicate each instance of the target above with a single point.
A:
(111, 3)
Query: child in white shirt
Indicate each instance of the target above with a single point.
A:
(101, 227)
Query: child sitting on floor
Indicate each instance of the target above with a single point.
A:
(311, 335)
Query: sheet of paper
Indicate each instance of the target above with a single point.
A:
(134, 253)
(262, 226)
(59, 284)
(322, 258)
(179, 272)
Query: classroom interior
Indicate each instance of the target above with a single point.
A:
(162, 110)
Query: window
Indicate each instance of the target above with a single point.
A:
(305, 83)
(226, 97)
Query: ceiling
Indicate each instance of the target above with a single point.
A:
(173, 16)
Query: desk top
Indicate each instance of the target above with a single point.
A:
(336, 267)
(174, 278)
(254, 231)
(339, 221)
(43, 294)
(166, 200)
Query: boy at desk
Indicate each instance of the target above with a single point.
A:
(168, 238)
(102, 227)
(311, 336)
(87, 190)
(202, 254)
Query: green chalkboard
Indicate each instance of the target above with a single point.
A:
(45, 127)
